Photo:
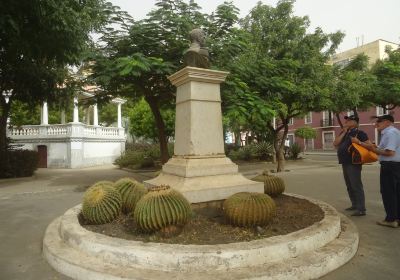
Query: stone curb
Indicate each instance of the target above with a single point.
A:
(199, 257)
(72, 250)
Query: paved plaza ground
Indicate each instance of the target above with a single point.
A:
(28, 205)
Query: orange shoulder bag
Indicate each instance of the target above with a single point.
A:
(361, 155)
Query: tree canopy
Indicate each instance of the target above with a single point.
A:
(286, 66)
(38, 40)
(385, 90)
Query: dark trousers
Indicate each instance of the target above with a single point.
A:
(355, 188)
(390, 189)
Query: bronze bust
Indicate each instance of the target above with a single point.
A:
(197, 55)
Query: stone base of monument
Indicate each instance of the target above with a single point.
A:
(203, 179)
(305, 254)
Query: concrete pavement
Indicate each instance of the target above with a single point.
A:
(29, 205)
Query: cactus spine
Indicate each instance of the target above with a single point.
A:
(273, 185)
(249, 209)
(162, 207)
(101, 203)
(131, 192)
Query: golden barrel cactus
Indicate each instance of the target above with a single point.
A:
(101, 203)
(160, 208)
(248, 209)
(131, 192)
(273, 185)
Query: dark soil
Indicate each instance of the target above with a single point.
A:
(208, 225)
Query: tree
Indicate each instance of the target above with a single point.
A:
(386, 87)
(38, 39)
(286, 66)
(136, 65)
(351, 87)
(142, 123)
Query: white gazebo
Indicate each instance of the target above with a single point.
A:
(74, 144)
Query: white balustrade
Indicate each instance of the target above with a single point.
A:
(66, 130)
(109, 131)
(89, 131)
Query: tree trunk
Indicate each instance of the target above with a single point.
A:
(279, 146)
(280, 159)
(162, 138)
(237, 139)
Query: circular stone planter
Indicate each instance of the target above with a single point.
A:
(305, 254)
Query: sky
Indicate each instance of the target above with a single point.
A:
(362, 21)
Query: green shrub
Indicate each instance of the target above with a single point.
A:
(260, 151)
(263, 150)
(141, 155)
(294, 151)
(18, 163)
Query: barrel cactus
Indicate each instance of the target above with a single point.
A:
(160, 208)
(131, 192)
(101, 203)
(249, 209)
(273, 185)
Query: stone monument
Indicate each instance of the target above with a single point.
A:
(199, 168)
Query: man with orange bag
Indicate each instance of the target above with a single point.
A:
(389, 158)
(351, 171)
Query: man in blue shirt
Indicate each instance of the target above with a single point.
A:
(351, 172)
(389, 157)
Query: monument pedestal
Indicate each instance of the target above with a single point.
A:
(199, 168)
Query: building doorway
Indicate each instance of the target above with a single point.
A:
(327, 140)
(42, 152)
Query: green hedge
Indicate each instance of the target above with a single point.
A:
(254, 151)
(19, 163)
(141, 155)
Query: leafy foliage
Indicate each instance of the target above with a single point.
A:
(19, 163)
(351, 86)
(294, 151)
(386, 88)
(142, 123)
(286, 66)
(306, 132)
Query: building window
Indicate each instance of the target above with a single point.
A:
(327, 119)
(291, 121)
(308, 118)
(380, 111)
(291, 139)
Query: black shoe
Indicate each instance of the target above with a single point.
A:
(358, 213)
(352, 208)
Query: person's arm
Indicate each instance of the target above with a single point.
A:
(372, 147)
(384, 152)
(339, 138)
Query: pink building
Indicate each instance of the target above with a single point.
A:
(327, 127)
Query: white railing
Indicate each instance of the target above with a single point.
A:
(24, 131)
(58, 130)
(65, 130)
(109, 131)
